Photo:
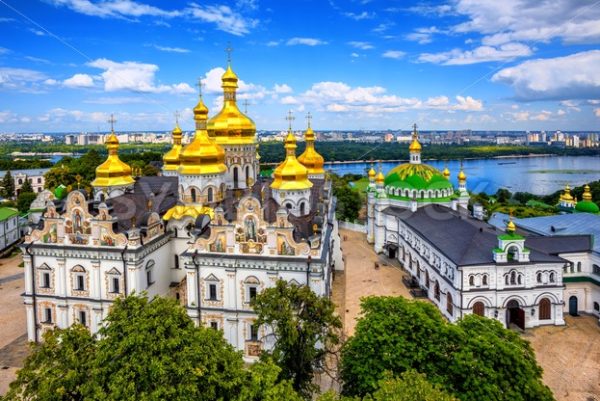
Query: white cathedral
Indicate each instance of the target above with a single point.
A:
(464, 265)
(209, 232)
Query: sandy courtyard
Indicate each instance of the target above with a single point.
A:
(569, 355)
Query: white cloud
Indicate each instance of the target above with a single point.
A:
(424, 9)
(505, 52)
(224, 18)
(544, 115)
(289, 100)
(360, 16)
(384, 26)
(423, 35)
(573, 21)
(51, 82)
(20, 78)
(361, 45)
(594, 101)
(283, 88)
(560, 112)
(79, 81)
(571, 77)
(212, 84)
(396, 54)
(305, 41)
(119, 100)
(273, 43)
(171, 49)
(4, 50)
(597, 112)
(355, 55)
(468, 104)
(37, 32)
(135, 77)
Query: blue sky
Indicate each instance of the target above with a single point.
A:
(66, 65)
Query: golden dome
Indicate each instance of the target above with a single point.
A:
(461, 175)
(230, 125)
(178, 212)
(380, 178)
(113, 172)
(312, 160)
(511, 227)
(415, 146)
(566, 196)
(171, 158)
(446, 172)
(587, 194)
(290, 174)
(372, 173)
(202, 156)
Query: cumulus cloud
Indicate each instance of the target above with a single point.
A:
(597, 112)
(305, 42)
(283, 88)
(423, 35)
(289, 100)
(224, 18)
(573, 21)
(20, 79)
(114, 8)
(505, 52)
(79, 81)
(571, 77)
(395, 54)
(135, 77)
(361, 45)
(212, 84)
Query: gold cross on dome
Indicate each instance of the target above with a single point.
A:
(308, 118)
(414, 130)
(112, 122)
(290, 118)
(229, 49)
(246, 104)
(176, 117)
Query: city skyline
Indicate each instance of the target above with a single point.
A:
(66, 65)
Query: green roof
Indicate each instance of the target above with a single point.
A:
(587, 206)
(416, 176)
(60, 191)
(7, 212)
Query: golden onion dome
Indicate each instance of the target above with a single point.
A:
(380, 178)
(372, 173)
(230, 126)
(415, 145)
(113, 172)
(202, 156)
(511, 227)
(290, 174)
(567, 194)
(446, 172)
(461, 175)
(171, 158)
(587, 194)
(312, 160)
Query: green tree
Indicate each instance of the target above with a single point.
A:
(26, 187)
(474, 359)
(304, 326)
(152, 350)
(410, 386)
(24, 201)
(56, 369)
(262, 384)
(8, 185)
(59, 174)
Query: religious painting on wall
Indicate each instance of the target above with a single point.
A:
(51, 236)
(250, 229)
(219, 244)
(283, 247)
(105, 238)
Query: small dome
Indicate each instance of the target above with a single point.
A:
(372, 173)
(446, 172)
(462, 176)
(415, 146)
(380, 178)
(511, 226)
(113, 172)
(171, 158)
(417, 176)
(290, 174)
(310, 158)
(586, 206)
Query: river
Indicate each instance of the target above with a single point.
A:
(537, 175)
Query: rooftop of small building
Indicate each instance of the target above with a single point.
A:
(33, 172)
(7, 212)
(556, 225)
(468, 241)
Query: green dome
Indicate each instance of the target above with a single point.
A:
(587, 207)
(416, 176)
(60, 191)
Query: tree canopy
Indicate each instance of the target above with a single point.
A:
(473, 359)
(147, 350)
(8, 186)
(304, 327)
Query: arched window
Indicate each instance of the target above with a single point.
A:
(579, 267)
(484, 280)
(512, 253)
(150, 273)
(235, 177)
(545, 309)
(247, 173)
(209, 194)
(436, 291)
(539, 277)
(427, 278)
(520, 279)
(479, 308)
(251, 283)
(513, 278)
(506, 279)
(449, 304)
(552, 278)
(288, 205)
(302, 207)
(20, 181)
(572, 267)
(193, 195)
(471, 280)
(596, 306)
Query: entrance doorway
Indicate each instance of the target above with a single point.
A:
(392, 252)
(573, 306)
(515, 315)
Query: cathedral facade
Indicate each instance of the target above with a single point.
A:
(209, 232)
(462, 264)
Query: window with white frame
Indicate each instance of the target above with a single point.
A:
(115, 285)
(214, 325)
(149, 273)
(212, 293)
(79, 278)
(253, 332)
(82, 316)
(252, 284)
(45, 281)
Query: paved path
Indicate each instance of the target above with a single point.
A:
(14, 277)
